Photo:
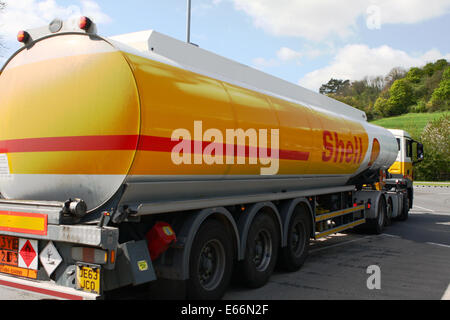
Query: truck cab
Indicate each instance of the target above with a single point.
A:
(401, 173)
(409, 153)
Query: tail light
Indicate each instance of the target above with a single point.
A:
(23, 36)
(85, 23)
(90, 255)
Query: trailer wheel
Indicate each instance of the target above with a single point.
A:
(295, 253)
(210, 263)
(263, 241)
(376, 225)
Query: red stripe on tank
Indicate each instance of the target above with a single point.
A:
(132, 142)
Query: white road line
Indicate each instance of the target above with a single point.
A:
(416, 206)
(339, 244)
(446, 295)
(391, 235)
(439, 244)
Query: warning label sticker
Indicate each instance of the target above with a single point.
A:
(28, 254)
(4, 165)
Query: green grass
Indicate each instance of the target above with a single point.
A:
(435, 184)
(413, 123)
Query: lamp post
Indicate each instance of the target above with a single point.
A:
(188, 25)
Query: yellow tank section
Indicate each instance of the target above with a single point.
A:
(69, 121)
(57, 115)
(310, 142)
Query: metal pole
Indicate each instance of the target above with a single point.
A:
(188, 27)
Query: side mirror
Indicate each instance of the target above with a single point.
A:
(420, 153)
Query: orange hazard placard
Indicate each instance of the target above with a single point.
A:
(20, 272)
(18, 257)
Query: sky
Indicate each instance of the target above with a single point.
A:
(306, 42)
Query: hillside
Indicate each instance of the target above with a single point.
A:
(413, 123)
(419, 90)
(433, 130)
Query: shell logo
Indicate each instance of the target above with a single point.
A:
(375, 152)
(338, 150)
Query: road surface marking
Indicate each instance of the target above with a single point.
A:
(416, 206)
(439, 244)
(446, 295)
(340, 244)
(391, 235)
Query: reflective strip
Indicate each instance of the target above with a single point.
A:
(46, 289)
(23, 222)
(341, 228)
(338, 213)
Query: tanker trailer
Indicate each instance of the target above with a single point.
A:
(135, 158)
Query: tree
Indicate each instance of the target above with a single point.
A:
(440, 100)
(430, 68)
(334, 86)
(395, 74)
(436, 141)
(401, 97)
(382, 107)
(414, 75)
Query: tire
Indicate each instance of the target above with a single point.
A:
(293, 256)
(376, 226)
(389, 208)
(261, 252)
(405, 210)
(210, 262)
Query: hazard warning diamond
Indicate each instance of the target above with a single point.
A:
(28, 254)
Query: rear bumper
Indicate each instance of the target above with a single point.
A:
(44, 289)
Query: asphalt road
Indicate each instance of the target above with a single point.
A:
(413, 257)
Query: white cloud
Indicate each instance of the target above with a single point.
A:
(317, 20)
(287, 54)
(356, 61)
(26, 14)
(262, 63)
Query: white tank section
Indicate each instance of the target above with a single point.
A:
(192, 57)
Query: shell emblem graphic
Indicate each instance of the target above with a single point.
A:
(375, 152)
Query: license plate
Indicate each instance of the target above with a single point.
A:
(88, 278)
(10, 249)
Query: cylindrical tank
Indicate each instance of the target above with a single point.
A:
(79, 117)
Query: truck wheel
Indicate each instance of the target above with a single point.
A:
(389, 208)
(295, 253)
(261, 251)
(405, 211)
(376, 225)
(210, 263)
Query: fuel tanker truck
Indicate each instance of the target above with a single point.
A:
(139, 158)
